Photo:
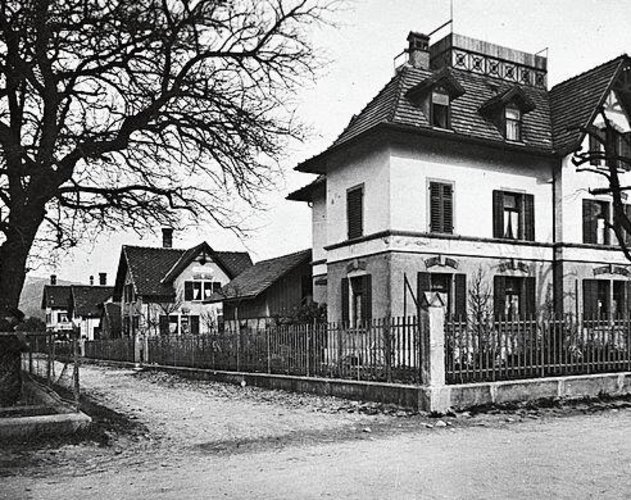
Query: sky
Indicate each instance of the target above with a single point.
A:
(578, 35)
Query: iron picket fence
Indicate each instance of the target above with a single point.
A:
(507, 349)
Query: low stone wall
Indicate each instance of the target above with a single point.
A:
(62, 418)
(439, 399)
(575, 386)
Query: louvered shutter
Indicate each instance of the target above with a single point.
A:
(499, 295)
(188, 290)
(460, 296)
(529, 217)
(498, 214)
(345, 304)
(441, 207)
(590, 299)
(528, 305)
(434, 207)
(605, 207)
(354, 212)
(194, 325)
(594, 148)
(448, 209)
(367, 298)
(590, 225)
(627, 235)
(423, 285)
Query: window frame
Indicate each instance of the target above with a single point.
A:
(606, 208)
(203, 285)
(517, 122)
(525, 218)
(353, 232)
(442, 212)
(435, 92)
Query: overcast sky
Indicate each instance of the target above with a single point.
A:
(579, 35)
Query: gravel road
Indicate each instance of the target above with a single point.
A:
(177, 439)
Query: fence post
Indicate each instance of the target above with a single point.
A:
(432, 325)
(75, 370)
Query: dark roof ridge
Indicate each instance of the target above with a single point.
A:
(374, 99)
(154, 248)
(622, 56)
(284, 256)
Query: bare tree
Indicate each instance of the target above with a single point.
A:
(608, 156)
(127, 113)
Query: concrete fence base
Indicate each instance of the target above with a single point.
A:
(431, 399)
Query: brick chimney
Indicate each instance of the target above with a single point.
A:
(102, 279)
(418, 50)
(53, 279)
(167, 237)
(91, 280)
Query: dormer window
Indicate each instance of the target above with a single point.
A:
(440, 112)
(512, 123)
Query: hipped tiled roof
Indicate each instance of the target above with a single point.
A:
(258, 278)
(393, 105)
(87, 300)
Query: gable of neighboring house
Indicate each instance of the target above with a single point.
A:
(57, 302)
(270, 287)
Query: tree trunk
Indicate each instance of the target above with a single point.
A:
(13, 255)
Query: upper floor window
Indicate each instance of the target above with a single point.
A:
(440, 108)
(128, 293)
(512, 122)
(596, 222)
(62, 317)
(441, 204)
(355, 212)
(200, 290)
(513, 216)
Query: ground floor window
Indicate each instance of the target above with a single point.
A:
(604, 299)
(452, 286)
(357, 300)
(513, 297)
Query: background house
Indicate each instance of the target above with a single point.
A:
(161, 291)
(56, 303)
(461, 168)
(272, 288)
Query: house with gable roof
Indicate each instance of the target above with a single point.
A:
(271, 288)
(162, 290)
(460, 170)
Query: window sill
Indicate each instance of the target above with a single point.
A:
(441, 129)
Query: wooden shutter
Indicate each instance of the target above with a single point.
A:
(626, 151)
(423, 285)
(594, 148)
(354, 212)
(590, 299)
(606, 212)
(367, 298)
(499, 295)
(627, 213)
(528, 298)
(498, 214)
(194, 325)
(441, 207)
(188, 290)
(345, 297)
(529, 217)
(460, 295)
(164, 325)
(590, 225)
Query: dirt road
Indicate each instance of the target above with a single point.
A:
(194, 440)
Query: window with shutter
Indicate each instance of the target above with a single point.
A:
(596, 299)
(513, 216)
(441, 207)
(355, 212)
(452, 286)
(345, 301)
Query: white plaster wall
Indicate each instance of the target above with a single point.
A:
(574, 185)
(474, 182)
(319, 227)
(369, 168)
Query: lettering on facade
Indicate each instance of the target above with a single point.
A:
(441, 261)
(512, 265)
(611, 269)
